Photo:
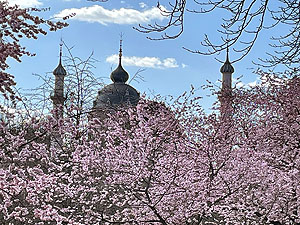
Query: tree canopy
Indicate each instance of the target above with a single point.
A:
(154, 164)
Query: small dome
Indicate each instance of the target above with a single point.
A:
(227, 67)
(119, 75)
(116, 94)
(60, 70)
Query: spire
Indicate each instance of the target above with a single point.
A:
(60, 51)
(120, 52)
(60, 70)
(119, 75)
(227, 67)
(227, 53)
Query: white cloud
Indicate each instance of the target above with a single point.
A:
(25, 3)
(97, 13)
(237, 82)
(143, 5)
(263, 81)
(239, 85)
(146, 62)
(252, 84)
(183, 65)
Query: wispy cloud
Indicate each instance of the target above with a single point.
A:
(143, 5)
(145, 62)
(99, 14)
(25, 3)
(183, 65)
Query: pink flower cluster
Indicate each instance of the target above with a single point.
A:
(155, 164)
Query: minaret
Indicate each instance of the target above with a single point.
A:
(226, 92)
(58, 97)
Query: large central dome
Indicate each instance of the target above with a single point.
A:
(118, 93)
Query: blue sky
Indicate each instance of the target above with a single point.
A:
(169, 69)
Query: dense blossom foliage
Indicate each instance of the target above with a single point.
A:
(17, 23)
(155, 165)
(272, 134)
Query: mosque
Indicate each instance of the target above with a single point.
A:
(120, 94)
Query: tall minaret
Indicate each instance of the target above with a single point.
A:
(58, 97)
(226, 92)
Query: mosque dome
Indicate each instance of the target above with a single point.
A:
(118, 93)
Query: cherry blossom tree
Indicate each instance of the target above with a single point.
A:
(271, 110)
(17, 23)
(26, 155)
(159, 164)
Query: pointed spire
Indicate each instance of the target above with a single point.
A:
(60, 51)
(120, 52)
(227, 67)
(60, 70)
(227, 53)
